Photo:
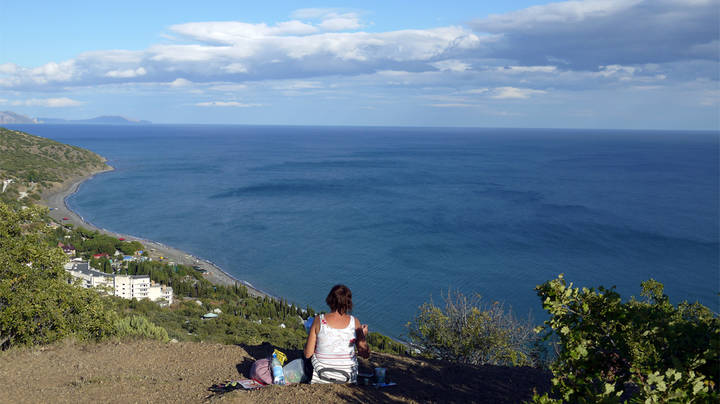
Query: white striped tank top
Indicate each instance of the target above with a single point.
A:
(335, 350)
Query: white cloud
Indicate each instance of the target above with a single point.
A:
(478, 91)
(514, 93)
(49, 102)
(229, 87)
(235, 32)
(126, 74)
(313, 13)
(453, 105)
(340, 23)
(180, 82)
(564, 12)
(330, 19)
(53, 72)
(527, 69)
(9, 68)
(616, 70)
(589, 33)
(226, 104)
(235, 68)
(452, 65)
(299, 85)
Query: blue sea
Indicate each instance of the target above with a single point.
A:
(402, 215)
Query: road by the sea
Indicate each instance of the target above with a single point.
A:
(403, 214)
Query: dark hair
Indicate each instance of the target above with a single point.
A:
(340, 299)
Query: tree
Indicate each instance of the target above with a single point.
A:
(468, 331)
(648, 351)
(37, 302)
(129, 247)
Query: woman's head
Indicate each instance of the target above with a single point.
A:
(340, 299)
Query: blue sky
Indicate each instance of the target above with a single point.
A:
(585, 64)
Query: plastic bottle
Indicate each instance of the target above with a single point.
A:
(277, 370)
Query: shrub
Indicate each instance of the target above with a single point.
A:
(139, 327)
(470, 332)
(648, 351)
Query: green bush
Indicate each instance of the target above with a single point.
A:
(644, 351)
(139, 327)
(467, 331)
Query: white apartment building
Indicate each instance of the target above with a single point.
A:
(125, 286)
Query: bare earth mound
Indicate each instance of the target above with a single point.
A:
(146, 371)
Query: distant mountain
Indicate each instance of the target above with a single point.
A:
(104, 120)
(12, 117)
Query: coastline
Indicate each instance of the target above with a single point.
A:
(55, 199)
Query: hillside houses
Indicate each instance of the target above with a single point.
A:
(125, 286)
(68, 249)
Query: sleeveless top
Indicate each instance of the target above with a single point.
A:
(334, 360)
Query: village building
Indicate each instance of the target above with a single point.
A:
(125, 286)
(68, 249)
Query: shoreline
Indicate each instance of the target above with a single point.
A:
(56, 200)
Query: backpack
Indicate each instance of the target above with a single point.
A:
(261, 371)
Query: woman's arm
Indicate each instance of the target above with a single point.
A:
(361, 339)
(312, 339)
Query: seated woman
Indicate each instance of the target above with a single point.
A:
(333, 338)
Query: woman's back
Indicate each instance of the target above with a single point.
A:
(332, 340)
(335, 349)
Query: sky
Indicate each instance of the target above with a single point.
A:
(601, 64)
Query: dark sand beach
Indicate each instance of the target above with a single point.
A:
(54, 199)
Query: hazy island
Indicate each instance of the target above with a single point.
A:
(80, 340)
(9, 117)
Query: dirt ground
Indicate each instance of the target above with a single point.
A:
(148, 371)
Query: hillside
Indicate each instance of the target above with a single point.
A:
(12, 117)
(148, 371)
(36, 164)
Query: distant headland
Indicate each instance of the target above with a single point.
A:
(9, 117)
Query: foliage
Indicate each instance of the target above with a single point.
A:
(467, 331)
(644, 351)
(88, 243)
(139, 327)
(130, 247)
(37, 303)
(383, 343)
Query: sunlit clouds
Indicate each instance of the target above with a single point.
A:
(569, 55)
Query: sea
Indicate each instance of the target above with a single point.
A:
(406, 215)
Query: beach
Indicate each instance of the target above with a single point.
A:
(55, 198)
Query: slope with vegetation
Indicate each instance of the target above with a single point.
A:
(36, 164)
